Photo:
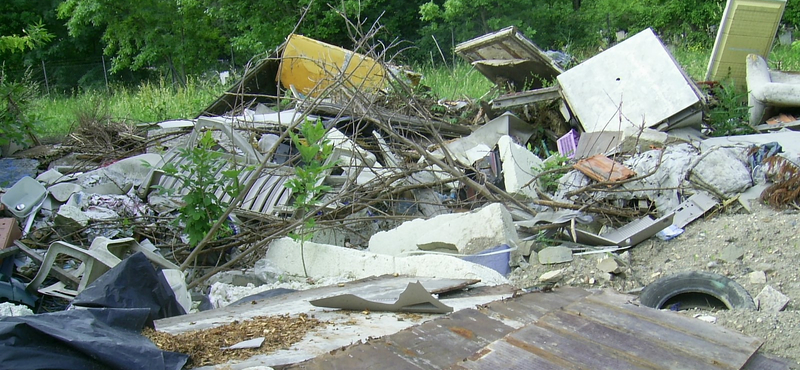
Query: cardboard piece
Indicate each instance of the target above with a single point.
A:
(414, 299)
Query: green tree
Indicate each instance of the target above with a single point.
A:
(178, 37)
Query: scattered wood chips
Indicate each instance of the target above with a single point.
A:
(204, 347)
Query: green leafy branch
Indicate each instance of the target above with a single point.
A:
(197, 173)
(306, 185)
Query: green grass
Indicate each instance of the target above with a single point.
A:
(461, 82)
(150, 102)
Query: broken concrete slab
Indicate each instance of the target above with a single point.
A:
(731, 254)
(771, 300)
(519, 168)
(323, 260)
(757, 277)
(553, 255)
(507, 57)
(462, 233)
(747, 27)
(71, 218)
(609, 264)
(551, 276)
(638, 80)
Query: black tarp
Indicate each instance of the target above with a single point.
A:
(133, 283)
(81, 339)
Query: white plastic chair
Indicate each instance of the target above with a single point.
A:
(102, 255)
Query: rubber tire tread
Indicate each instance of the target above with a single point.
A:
(726, 290)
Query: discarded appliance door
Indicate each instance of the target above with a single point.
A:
(638, 80)
(507, 55)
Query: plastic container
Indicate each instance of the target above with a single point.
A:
(568, 144)
(24, 197)
(496, 258)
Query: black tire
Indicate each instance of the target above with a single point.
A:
(726, 290)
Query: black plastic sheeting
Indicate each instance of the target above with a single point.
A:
(80, 339)
(133, 283)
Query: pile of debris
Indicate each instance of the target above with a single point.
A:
(412, 208)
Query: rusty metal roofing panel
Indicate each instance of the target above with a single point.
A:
(528, 308)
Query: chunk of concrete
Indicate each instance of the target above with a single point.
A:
(771, 300)
(552, 255)
(757, 277)
(324, 261)
(462, 233)
(551, 276)
(71, 218)
(519, 167)
(731, 254)
(722, 172)
(609, 265)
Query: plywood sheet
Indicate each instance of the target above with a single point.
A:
(747, 27)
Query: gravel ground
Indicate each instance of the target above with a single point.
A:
(769, 240)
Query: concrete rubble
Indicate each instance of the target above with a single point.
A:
(415, 197)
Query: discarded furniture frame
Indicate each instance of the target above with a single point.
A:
(769, 89)
(102, 255)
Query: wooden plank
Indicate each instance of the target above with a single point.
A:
(568, 352)
(761, 361)
(674, 332)
(58, 272)
(628, 345)
(601, 168)
(440, 343)
(365, 356)
(703, 330)
(502, 355)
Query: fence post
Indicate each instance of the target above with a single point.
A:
(46, 83)
(105, 72)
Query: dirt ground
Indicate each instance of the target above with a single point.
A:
(770, 242)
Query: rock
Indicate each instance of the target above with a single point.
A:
(731, 253)
(551, 276)
(766, 267)
(462, 233)
(706, 318)
(721, 171)
(757, 277)
(11, 309)
(609, 264)
(771, 300)
(520, 165)
(62, 191)
(551, 255)
(71, 218)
